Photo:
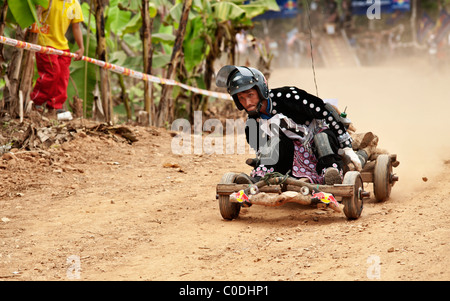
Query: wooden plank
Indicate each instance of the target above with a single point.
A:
(367, 177)
(336, 190)
(230, 188)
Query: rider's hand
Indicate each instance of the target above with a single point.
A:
(79, 54)
(353, 157)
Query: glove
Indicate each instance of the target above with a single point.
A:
(353, 157)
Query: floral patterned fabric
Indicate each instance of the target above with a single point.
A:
(261, 171)
(305, 162)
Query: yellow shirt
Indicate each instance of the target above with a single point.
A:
(54, 27)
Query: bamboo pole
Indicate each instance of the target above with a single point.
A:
(3, 13)
(147, 53)
(86, 53)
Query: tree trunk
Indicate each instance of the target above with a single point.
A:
(165, 108)
(13, 78)
(213, 54)
(26, 81)
(232, 47)
(3, 14)
(147, 53)
(101, 54)
(125, 97)
(21, 68)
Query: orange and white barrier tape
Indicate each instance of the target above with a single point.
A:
(112, 67)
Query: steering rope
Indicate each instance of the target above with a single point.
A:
(306, 5)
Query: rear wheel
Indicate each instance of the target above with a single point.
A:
(353, 205)
(382, 174)
(228, 210)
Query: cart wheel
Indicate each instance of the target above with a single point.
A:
(228, 210)
(353, 205)
(382, 178)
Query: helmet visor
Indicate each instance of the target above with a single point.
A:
(225, 71)
(222, 75)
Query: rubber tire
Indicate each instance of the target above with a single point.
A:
(228, 210)
(382, 178)
(353, 205)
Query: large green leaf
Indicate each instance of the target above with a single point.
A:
(134, 25)
(152, 9)
(175, 14)
(43, 3)
(117, 57)
(258, 7)
(160, 60)
(268, 4)
(166, 38)
(134, 41)
(194, 44)
(134, 62)
(24, 11)
(225, 11)
(85, 8)
(117, 20)
(166, 30)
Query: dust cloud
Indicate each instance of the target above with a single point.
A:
(405, 102)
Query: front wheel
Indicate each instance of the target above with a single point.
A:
(228, 210)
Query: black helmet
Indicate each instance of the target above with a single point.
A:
(237, 79)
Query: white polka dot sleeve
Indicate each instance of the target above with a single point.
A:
(307, 107)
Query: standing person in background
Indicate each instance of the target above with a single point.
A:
(50, 89)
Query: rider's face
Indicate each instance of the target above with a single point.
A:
(249, 99)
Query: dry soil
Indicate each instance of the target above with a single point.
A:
(97, 208)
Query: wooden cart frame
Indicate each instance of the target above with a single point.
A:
(277, 191)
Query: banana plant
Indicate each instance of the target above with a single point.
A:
(20, 15)
(123, 22)
(23, 12)
(211, 23)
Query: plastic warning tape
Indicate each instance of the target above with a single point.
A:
(112, 67)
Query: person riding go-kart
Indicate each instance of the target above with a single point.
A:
(294, 134)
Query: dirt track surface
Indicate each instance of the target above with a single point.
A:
(99, 209)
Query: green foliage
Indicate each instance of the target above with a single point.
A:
(224, 11)
(116, 19)
(24, 11)
(194, 43)
(78, 71)
(85, 9)
(123, 22)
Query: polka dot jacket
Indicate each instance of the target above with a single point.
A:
(303, 107)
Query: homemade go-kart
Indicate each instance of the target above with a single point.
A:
(276, 189)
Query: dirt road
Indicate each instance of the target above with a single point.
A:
(98, 209)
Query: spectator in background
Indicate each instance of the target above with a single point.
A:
(331, 16)
(241, 46)
(331, 11)
(50, 89)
